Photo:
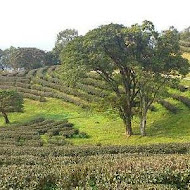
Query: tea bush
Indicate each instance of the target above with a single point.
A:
(168, 106)
(183, 99)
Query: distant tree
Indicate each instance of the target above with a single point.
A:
(8, 58)
(1, 65)
(10, 101)
(29, 58)
(23, 58)
(63, 38)
(51, 59)
(120, 55)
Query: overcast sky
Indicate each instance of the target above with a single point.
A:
(35, 23)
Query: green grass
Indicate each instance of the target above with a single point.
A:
(163, 127)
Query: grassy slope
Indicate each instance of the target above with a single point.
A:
(103, 129)
(163, 126)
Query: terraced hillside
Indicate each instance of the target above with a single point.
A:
(39, 84)
(185, 46)
(37, 133)
(44, 82)
(47, 96)
(39, 153)
(185, 41)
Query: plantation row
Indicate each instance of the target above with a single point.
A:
(29, 134)
(185, 46)
(40, 84)
(45, 82)
(112, 167)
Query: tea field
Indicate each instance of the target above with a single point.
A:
(62, 140)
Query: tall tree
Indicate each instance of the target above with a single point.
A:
(161, 66)
(10, 101)
(118, 54)
(63, 38)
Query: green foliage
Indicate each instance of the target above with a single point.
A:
(135, 62)
(10, 101)
(63, 38)
(183, 99)
(185, 34)
(51, 58)
(185, 40)
(1, 64)
(95, 167)
(8, 57)
(29, 133)
(169, 106)
(26, 58)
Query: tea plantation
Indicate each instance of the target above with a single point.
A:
(63, 140)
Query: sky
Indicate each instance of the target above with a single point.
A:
(35, 23)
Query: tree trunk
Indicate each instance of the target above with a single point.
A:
(128, 126)
(143, 124)
(5, 117)
(143, 117)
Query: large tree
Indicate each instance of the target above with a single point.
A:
(118, 54)
(10, 101)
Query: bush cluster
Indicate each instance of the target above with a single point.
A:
(30, 133)
(60, 168)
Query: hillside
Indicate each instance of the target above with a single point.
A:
(48, 97)
(63, 140)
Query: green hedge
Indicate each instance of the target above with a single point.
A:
(168, 106)
(119, 171)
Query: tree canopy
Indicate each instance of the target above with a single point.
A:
(10, 101)
(63, 38)
(24, 58)
(128, 59)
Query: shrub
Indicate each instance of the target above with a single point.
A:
(168, 106)
(183, 99)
